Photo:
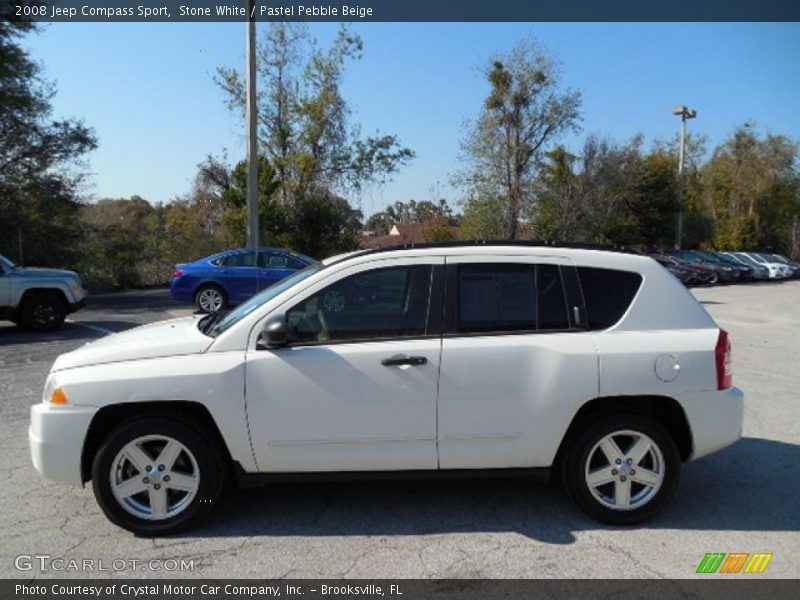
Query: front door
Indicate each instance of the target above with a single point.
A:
(272, 267)
(239, 273)
(355, 389)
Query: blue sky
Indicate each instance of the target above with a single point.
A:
(147, 89)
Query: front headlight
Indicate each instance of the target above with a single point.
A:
(49, 388)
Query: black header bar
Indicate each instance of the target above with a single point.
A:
(403, 10)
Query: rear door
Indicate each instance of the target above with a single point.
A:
(517, 361)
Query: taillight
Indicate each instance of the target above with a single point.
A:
(722, 354)
(177, 273)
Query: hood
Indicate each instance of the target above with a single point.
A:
(166, 338)
(37, 272)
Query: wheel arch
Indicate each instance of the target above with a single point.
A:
(208, 283)
(665, 410)
(107, 418)
(52, 291)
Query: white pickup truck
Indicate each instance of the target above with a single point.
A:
(38, 299)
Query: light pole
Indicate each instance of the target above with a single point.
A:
(252, 132)
(685, 113)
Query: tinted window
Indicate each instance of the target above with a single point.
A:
(383, 303)
(242, 259)
(552, 300)
(608, 294)
(269, 260)
(294, 263)
(508, 297)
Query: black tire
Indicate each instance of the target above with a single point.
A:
(198, 297)
(195, 438)
(580, 452)
(714, 280)
(42, 312)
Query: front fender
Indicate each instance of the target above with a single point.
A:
(214, 380)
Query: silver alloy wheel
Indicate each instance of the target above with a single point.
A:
(625, 470)
(210, 300)
(154, 477)
(333, 301)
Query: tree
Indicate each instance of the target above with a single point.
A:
(38, 197)
(424, 213)
(750, 191)
(482, 219)
(304, 128)
(524, 112)
(118, 240)
(318, 223)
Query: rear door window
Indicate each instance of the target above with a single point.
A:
(498, 298)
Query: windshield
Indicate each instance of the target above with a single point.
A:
(748, 259)
(709, 257)
(230, 319)
(7, 264)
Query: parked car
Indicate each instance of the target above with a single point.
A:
(776, 270)
(724, 273)
(38, 299)
(701, 275)
(462, 358)
(684, 274)
(794, 266)
(748, 272)
(229, 278)
(760, 272)
(745, 272)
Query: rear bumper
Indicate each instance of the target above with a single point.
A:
(56, 437)
(715, 419)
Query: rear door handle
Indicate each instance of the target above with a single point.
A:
(414, 361)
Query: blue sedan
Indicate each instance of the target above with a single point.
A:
(231, 277)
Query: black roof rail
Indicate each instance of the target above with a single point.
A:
(510, 243)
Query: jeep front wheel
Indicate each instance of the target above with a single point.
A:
(42, 312)
(156, 476)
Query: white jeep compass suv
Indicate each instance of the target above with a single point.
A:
(452, 358)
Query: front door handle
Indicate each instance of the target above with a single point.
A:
(414, 361)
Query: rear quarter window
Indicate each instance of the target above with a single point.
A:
(608, 294)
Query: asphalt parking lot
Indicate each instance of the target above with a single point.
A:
(743, 499)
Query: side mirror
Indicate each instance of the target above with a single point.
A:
(273, 335)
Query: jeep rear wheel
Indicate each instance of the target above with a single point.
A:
(42, 312)
(622, 469)
(157, 476)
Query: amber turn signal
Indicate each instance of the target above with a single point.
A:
(59, 397)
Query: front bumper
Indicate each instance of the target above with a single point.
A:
(75, 306)
(715, 419)
(56, 438)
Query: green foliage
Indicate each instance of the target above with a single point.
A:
(524, 111)
(482, 219)
(38, 200)
(438, 214)
(304, 128)
(750, 189)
